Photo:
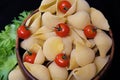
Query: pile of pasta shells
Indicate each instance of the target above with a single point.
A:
(87, 56)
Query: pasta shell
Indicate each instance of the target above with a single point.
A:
(67, 41)
(35, 48)
(79, 20)
(27, 43)
(16, 74)
(99, 20)
(95, 49)
(73, 64)
(71, 77)
(84, 73)
(45, 36)
(76, 37)
(51, 21)
(44, 33)
(48, 5)
(84, 55)
(82, 35)
(100, 62)
(42, 30)
(52, 47)
(40, 58)
(34, 22)
(39, 71)
(103, 42)
(82, 5)
(57, 73)
(70, 11)
(92, 43)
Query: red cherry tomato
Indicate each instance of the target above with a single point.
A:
(23, 32)
(90, 31)
(62, 30)
(64, 6)
(62, 60)
(29, 57)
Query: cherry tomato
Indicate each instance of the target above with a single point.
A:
(29, 57)
(90, 31)
(62, 30)
(23, 32)
(64, 6)
(62, 60)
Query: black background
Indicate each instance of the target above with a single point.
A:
(110, 8)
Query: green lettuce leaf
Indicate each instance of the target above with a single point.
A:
(7, 46)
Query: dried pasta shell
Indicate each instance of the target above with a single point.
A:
(27, 43)
(44, 33)
(92, 43)
(82, 5)
(103, 42)
(16, 74)
(34, 22)
(76, 37)
(84, 55)
(79, 20)
(67, 41)
(42, 30)
(84, 73)
(82, 35)
(95, 49)
(51, 21)
(52, 47)
(100, 62)
(48, 5)
(57, 73)
(40, 58)
(45, 36)
(99, 20)
(39, 71)
(73, 64)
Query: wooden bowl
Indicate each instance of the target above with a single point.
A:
(29, 76)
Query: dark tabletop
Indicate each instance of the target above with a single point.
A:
(110, 8)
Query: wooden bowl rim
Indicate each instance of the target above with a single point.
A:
(29, 76)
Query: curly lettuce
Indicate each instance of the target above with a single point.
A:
(7, 45)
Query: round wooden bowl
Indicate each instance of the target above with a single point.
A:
(29, 76)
